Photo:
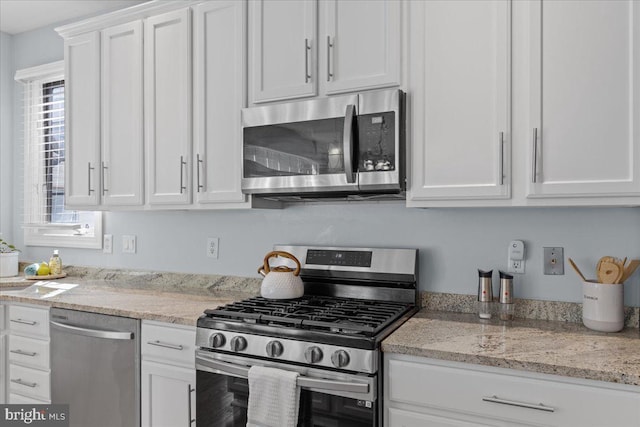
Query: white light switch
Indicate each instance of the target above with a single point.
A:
(129, 244)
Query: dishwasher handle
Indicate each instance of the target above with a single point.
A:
(95, 333)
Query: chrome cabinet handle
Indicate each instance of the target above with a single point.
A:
(538, 407)
(104, 179)
(347, 143)
(317, 383)
(166, 345)
(189, 391)
(534, 156)
(199, 162)
(95, 333)
(24, 322)
(24, 383)
(501, 142)
(182, 165)
(307, 48)
(89, 169)
(329, 46)
(23, 353)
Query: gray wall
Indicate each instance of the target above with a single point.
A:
(6, 133)
(453, 243)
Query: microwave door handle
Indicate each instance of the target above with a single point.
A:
(347, 141)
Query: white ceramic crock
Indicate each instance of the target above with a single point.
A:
(603, 306)
(9, 264)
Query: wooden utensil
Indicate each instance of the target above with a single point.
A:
(629, 269)
(609, 272)
(577, 270)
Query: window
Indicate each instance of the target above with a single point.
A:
(46, 222)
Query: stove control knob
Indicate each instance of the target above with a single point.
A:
(217, 340)
(238, 343)
(313, 354)
(340, 358)
(274, 348)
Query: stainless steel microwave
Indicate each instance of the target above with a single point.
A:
(337, 146)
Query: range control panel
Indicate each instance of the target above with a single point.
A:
(339, 257)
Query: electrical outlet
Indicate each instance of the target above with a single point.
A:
(128, 244)
(515, 258)
(107, 243)
(554, 261)
(212, 247)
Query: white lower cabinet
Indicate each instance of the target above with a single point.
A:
(29, 368)
(422, 392)
(168, 375)
(3, 358)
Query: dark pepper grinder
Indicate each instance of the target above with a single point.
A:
(485, 294)
(507, 307)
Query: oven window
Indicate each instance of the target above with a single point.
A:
(289, 149)
(222, 402)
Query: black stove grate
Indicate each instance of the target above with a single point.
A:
(315, 313)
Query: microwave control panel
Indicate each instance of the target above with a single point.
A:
(376, 137)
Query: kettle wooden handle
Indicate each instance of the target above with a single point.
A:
(264, 270)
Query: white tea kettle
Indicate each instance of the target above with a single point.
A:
(281, 282)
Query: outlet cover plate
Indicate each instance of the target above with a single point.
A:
(107, 243)
(213, 247)
(553, 261)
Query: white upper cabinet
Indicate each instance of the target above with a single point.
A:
(219, 76)
(459, 84)
(585, 99)
(359, 44)
(283, 49)
(82, 120)
(301, 49)
(167, 80)
(122, 126)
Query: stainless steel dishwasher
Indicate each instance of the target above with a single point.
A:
(95, 368)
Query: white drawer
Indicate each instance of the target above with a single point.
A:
(173, 344)
(30, 382)
(466, 390)
(29, 321)
(29, 352)
(17, 399)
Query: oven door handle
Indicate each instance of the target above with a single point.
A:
(316, 383)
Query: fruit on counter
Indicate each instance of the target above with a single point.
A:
(43, 270)
(31, 269)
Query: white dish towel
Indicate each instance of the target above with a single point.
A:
(274, 397)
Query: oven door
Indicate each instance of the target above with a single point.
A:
(327, 398)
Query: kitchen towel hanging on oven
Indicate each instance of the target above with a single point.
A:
(274, 398)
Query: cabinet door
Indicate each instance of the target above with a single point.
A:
(283, 49)
(122, 143)
(219, 32)
(360, 44)
(460, 80)
(167, 395)
(585, 99)
(82, 120)
(167, 64)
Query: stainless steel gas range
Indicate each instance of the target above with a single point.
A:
(354, 298)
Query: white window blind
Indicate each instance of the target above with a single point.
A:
(45, 220)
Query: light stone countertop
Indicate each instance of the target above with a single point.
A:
(549, 347)
(149, 305)
(166, 297)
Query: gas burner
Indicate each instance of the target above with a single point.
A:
(332, 314)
